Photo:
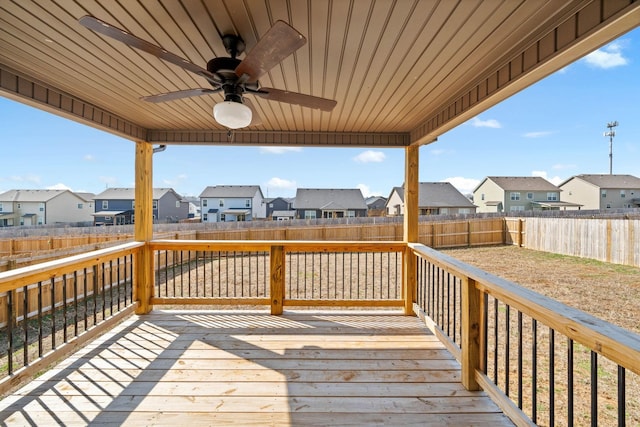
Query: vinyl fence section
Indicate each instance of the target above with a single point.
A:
(610, 240)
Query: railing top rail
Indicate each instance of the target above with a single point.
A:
(616, 343)
(13, 279)
(289, 245)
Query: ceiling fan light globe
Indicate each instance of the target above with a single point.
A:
(232, 115)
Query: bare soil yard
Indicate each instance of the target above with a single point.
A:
(608, 291)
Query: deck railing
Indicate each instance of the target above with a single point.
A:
(48, 310)
(278, 273)
(540, 360)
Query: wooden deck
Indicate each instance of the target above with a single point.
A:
(251, 368)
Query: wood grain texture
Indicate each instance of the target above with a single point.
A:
(251, 368)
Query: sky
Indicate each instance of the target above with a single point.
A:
(553, 129)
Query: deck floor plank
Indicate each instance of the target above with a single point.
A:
(250, 368)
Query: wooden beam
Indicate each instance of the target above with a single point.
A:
(471, 336)
(411, 186)
(143, 228)
(277, 279)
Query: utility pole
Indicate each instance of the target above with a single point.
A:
(611, 134)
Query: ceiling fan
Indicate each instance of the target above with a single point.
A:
(229, 75)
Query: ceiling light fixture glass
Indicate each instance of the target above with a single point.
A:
(232, 115)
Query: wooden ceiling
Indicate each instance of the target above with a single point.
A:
(402, 72)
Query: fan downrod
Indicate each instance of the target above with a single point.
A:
(233, 44)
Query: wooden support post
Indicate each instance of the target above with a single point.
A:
(472, 342)
(519, 232)
(410, 226)
(143, 226)
(277, 279)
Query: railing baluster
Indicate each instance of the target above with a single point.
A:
(64, 308)
(507, 344)
(11, 317)
(75, 303)
(495, 341)
(52, 287)
(569, 381)
(552, 371)
(594, 388)
(622, 401)
(534, 370)
(520, 372)
(25, 325)
(85, 297)
(40, 331)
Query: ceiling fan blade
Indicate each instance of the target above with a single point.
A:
(109, 30)
(170, 96)
(256, 120)
(272, 94)
(279, 42)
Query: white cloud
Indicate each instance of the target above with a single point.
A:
(89, 158)
(175, 181)
(370, 156)
(538, 134)
(280, 183)
(556, 180)
(367, 191)
(463, 185)
(491, 123)
(59, 186)
(279, 150)
(438, 151)
(608, 56)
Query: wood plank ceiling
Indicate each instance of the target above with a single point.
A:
(402, 72)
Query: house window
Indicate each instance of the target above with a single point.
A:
(204, 203)
(351, 214)
(516, 208)
(133, 218)
(604, 193)
(223, 217)
(1, 207)
(247, 203)
(529, 196)
(270, 205)
(79, 205)
(608, 205)
(133, 204)
(204, 217)
(482, 196)
(623, 194)
(552, 197)
(155, 204)
(309, 214)
(177, 203)
(19, 205)
(464, 211)
(515, 195)
(105, 204)
(221, 203)
(41, 207)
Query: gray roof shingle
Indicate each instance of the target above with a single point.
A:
(324, 198)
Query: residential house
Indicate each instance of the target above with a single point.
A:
(602, 191)
(40, 207)
(116, 206)
(518, 193)
(312, 203)
(376, 205)
(283, 207)
(228, 203)
(434, 198)
(194, 206)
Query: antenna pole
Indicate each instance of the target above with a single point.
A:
(611, 134)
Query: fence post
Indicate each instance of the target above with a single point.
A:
(471, 346)
(520, 232)
(277, 279)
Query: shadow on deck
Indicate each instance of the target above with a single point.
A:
(251, 368)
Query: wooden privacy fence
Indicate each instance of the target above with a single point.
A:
(610, 240)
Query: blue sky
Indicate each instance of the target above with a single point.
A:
(553, 129)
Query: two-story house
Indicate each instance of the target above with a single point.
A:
(116, 206)
(40, 207)
(434, 198)
(518, 193)
(376, 205)
(279, 208)
(312, 203)
(602, 191)
(228, 203)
